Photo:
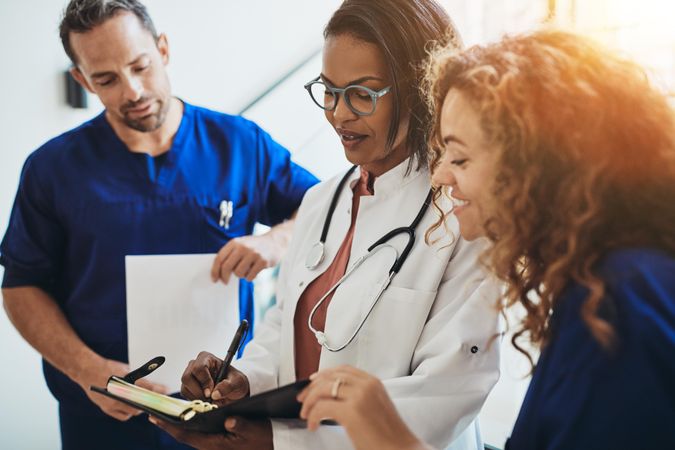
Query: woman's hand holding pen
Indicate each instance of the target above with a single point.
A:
(198, 381)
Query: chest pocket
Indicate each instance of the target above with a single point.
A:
(227, 217)
(392, 331)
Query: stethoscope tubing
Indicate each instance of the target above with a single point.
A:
(374, 248)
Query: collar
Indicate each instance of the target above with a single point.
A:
(391, 181)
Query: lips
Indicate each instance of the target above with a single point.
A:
(350, 138)
(141, 109)
(459, 204)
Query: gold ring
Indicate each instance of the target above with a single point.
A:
(336, 387)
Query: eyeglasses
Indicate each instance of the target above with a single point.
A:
(359, 99)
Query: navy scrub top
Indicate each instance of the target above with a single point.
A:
(85, 201)
(581, 396)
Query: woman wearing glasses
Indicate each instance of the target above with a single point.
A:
(565, 156)
(421, 316)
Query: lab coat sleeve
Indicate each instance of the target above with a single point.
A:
(454, 366)
(261, 359)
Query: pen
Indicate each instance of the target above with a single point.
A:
(234, 346)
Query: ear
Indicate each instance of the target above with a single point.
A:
(80, 78)
(163, 47)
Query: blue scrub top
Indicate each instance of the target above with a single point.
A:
(85, 201)
(583, 397)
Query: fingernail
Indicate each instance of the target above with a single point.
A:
(313, 376)
(216, 395)
(207, 393)
(231, 423)
(152, 419)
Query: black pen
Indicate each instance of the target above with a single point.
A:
(234, 347)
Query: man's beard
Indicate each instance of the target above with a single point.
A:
(148, 123)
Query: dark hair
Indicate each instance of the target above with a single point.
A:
(81, 16)
(404, 30)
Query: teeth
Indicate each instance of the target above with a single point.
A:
(458, 202)
(349, 137)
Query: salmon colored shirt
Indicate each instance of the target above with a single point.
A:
(307, 349)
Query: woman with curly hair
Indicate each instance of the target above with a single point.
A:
(564, 156)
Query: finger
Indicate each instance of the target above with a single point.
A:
(322, 391)
(235, 425)
(124, 410)
(327, 409)
(253, 272)
(190, 387)
(197, 379)
(233, 387)
(247, 261)
(229, 263)
(221, 256)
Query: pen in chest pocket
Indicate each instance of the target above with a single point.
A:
(226, 211)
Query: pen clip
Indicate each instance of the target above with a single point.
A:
(226, 211)
(144, 370)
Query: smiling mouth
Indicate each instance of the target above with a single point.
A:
(351, 138)
(457, 203)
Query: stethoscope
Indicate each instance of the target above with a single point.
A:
(316, 254)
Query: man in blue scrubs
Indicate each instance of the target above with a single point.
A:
(150, 175)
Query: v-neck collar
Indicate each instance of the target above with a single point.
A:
(158, 170)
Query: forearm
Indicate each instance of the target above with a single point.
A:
(281, 233)
(41, 322)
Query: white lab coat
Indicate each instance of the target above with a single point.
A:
(420, 335)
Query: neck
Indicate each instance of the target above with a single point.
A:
(396, 157)
(153, 142)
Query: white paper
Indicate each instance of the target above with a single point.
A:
(175, 310)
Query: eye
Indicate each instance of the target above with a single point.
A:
(105, 82)
(458, 162)
(142, 69)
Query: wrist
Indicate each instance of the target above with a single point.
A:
(86, 369)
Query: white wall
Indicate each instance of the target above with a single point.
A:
(224, 54)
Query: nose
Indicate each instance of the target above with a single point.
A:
(443, 174)
(342, 113)
(133, 89)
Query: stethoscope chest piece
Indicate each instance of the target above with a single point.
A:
(315, 256)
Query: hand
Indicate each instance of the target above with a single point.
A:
(97, 374)
(246, 256)
(241, 434)
(198, 378)
(358, 402)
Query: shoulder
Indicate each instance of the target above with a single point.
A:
(640, 277)
(59, 149)
(639, 298)
(641, 285)
(226, 122)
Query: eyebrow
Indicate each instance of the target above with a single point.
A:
(353, 82)
(452, 138)
(107, 73)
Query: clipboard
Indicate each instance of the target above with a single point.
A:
(280, 403)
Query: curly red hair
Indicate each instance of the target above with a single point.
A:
(586, 164)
